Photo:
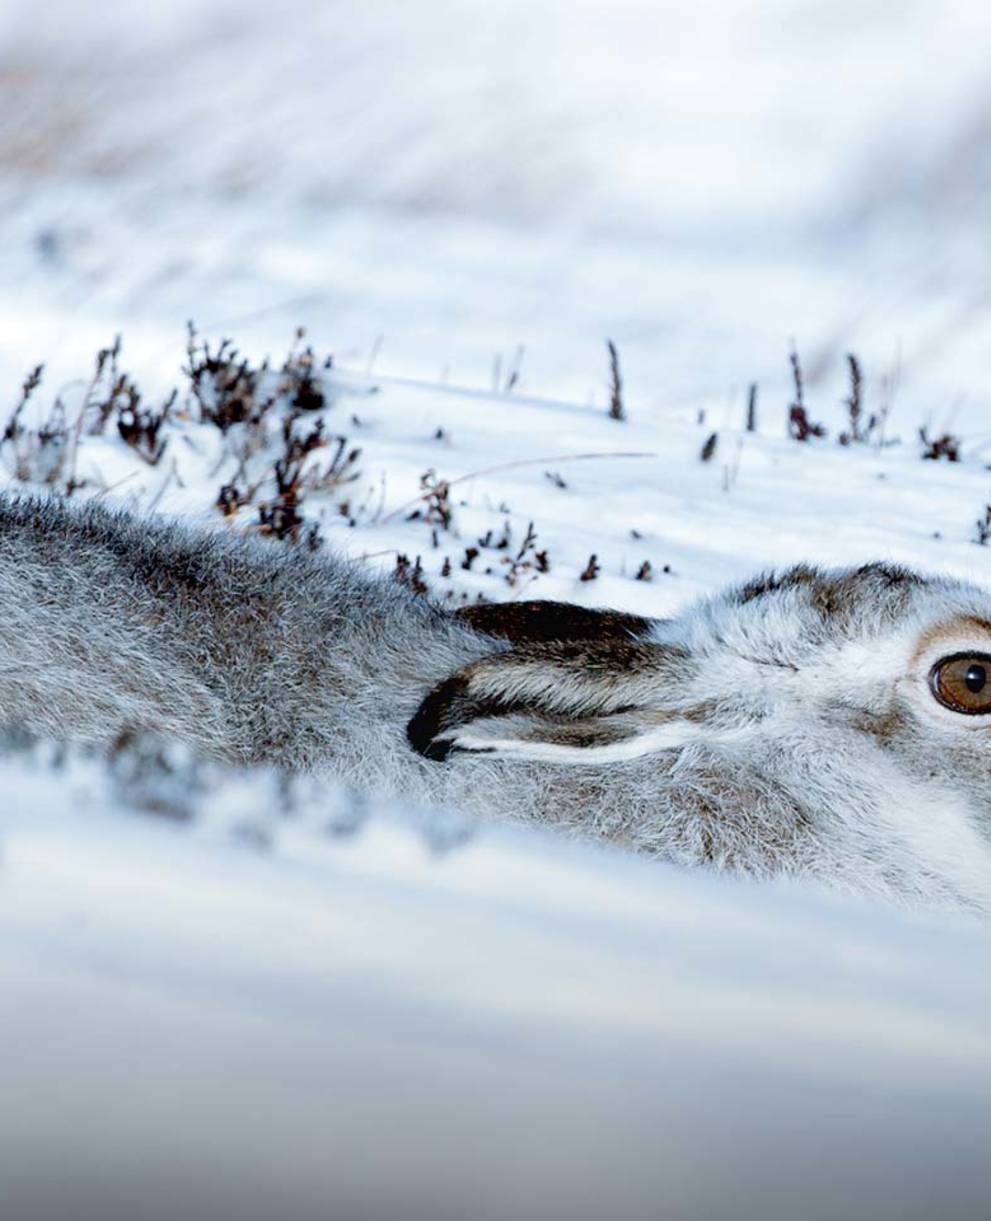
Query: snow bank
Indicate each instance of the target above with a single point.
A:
(347, 1012)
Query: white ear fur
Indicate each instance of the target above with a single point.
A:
(595, 740)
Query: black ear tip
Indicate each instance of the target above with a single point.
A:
(420, 734)
(431, 718)
(439, 750)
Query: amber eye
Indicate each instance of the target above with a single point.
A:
(962, 683)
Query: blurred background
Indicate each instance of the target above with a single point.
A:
(429, 186)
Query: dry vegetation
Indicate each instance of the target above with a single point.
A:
(272, 426)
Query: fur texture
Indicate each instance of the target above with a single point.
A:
(787, 727)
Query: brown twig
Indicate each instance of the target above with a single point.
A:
(616, 409)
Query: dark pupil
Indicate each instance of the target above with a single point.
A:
(975, 678)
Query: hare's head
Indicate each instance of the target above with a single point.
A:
(854, 691)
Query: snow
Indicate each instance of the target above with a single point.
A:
(443, 194)
(506, 1027)
(701, 182)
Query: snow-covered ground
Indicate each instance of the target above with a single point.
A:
(452, 193)
(461, 204)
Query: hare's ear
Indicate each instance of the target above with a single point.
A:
(575, 701)
(542, 622)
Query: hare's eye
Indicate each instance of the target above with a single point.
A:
(962, 683)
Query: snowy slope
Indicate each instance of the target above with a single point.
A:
(702, 184)
(625, 491)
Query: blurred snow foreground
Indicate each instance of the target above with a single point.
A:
(223, 997)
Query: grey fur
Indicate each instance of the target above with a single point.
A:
(785, 728)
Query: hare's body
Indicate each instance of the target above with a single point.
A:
(249, 651)
(785, 728)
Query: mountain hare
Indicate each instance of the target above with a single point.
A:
(830, 725)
